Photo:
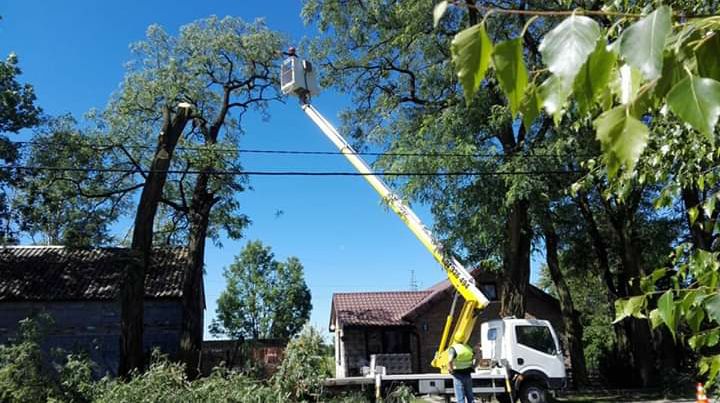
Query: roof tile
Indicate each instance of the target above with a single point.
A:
(58, 273)
(375, 308)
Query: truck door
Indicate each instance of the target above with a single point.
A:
(535, 347)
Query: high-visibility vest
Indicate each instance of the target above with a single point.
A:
(463, 356)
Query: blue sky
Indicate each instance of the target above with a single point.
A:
(73, 53)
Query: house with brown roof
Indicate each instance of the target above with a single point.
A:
(79, 290)
(404, 327)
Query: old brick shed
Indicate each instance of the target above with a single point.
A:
(411, 322)
(79, 289)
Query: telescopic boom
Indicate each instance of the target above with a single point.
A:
(297, 77)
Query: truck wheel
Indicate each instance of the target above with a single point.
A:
(533, 392)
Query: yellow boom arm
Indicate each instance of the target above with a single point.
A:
(459, 277)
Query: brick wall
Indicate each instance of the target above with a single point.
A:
(94, 327)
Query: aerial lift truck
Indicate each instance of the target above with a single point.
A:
(524, 355)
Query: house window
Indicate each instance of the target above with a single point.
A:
(396, 342)
(490, 291)
(374, 343)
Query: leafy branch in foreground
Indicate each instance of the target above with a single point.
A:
(621, 76)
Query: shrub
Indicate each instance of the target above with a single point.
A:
(22, 376)
(401, 394)
(28, 374)
(302, 372)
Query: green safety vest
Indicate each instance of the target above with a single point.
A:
(463, 356)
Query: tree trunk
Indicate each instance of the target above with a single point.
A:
(638, 331)
(571, 320)
(133, 288)
(516, 260)
(701, 236)
(599, 247)
(200, 207)
(613, 292)
(192, 318)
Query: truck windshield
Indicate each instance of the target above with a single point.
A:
(536, 337)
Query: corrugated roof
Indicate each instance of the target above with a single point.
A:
(57, 273)
(374, 308)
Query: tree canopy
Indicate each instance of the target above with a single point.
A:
(589, 124)
(264, 298)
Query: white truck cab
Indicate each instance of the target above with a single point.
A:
(530, 350)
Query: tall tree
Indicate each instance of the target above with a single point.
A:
(17, 111)
(406, 98)
(264, 298)
(241, 61)
(76, 207)
(211, 68)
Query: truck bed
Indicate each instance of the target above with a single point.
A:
(485, 382)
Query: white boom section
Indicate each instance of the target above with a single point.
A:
(458, 275)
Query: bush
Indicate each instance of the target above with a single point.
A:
(401, 394)
(166, 381)
(302, 372)
(27, 374)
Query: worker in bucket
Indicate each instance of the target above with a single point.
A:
(461, 367)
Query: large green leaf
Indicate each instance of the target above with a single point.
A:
(566, 48)
(697, 101)
(642, 44)
(655, 319)
(672, 73)
(511, 72)
(530, 106)
(712, 307)
(694, 318)
(471, 49)
(647, 284)
(666, 309)
(622, 138)
(593, 77)
(632, 306)
(708, 57)
(553, 94)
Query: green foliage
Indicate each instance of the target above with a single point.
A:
(17, 111)
(303, 368)
(511, 71)
(400, 394)
(603, 81)
(566, 48)
(697, 101)
(592, 79)
(643, 43)
(165, 381)
(17, 101)
(471, 50)
(28, 374)
(622, 137)
(78, 208)
(264, 298)
(644, 46)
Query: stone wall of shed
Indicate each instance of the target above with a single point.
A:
(94, 327)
